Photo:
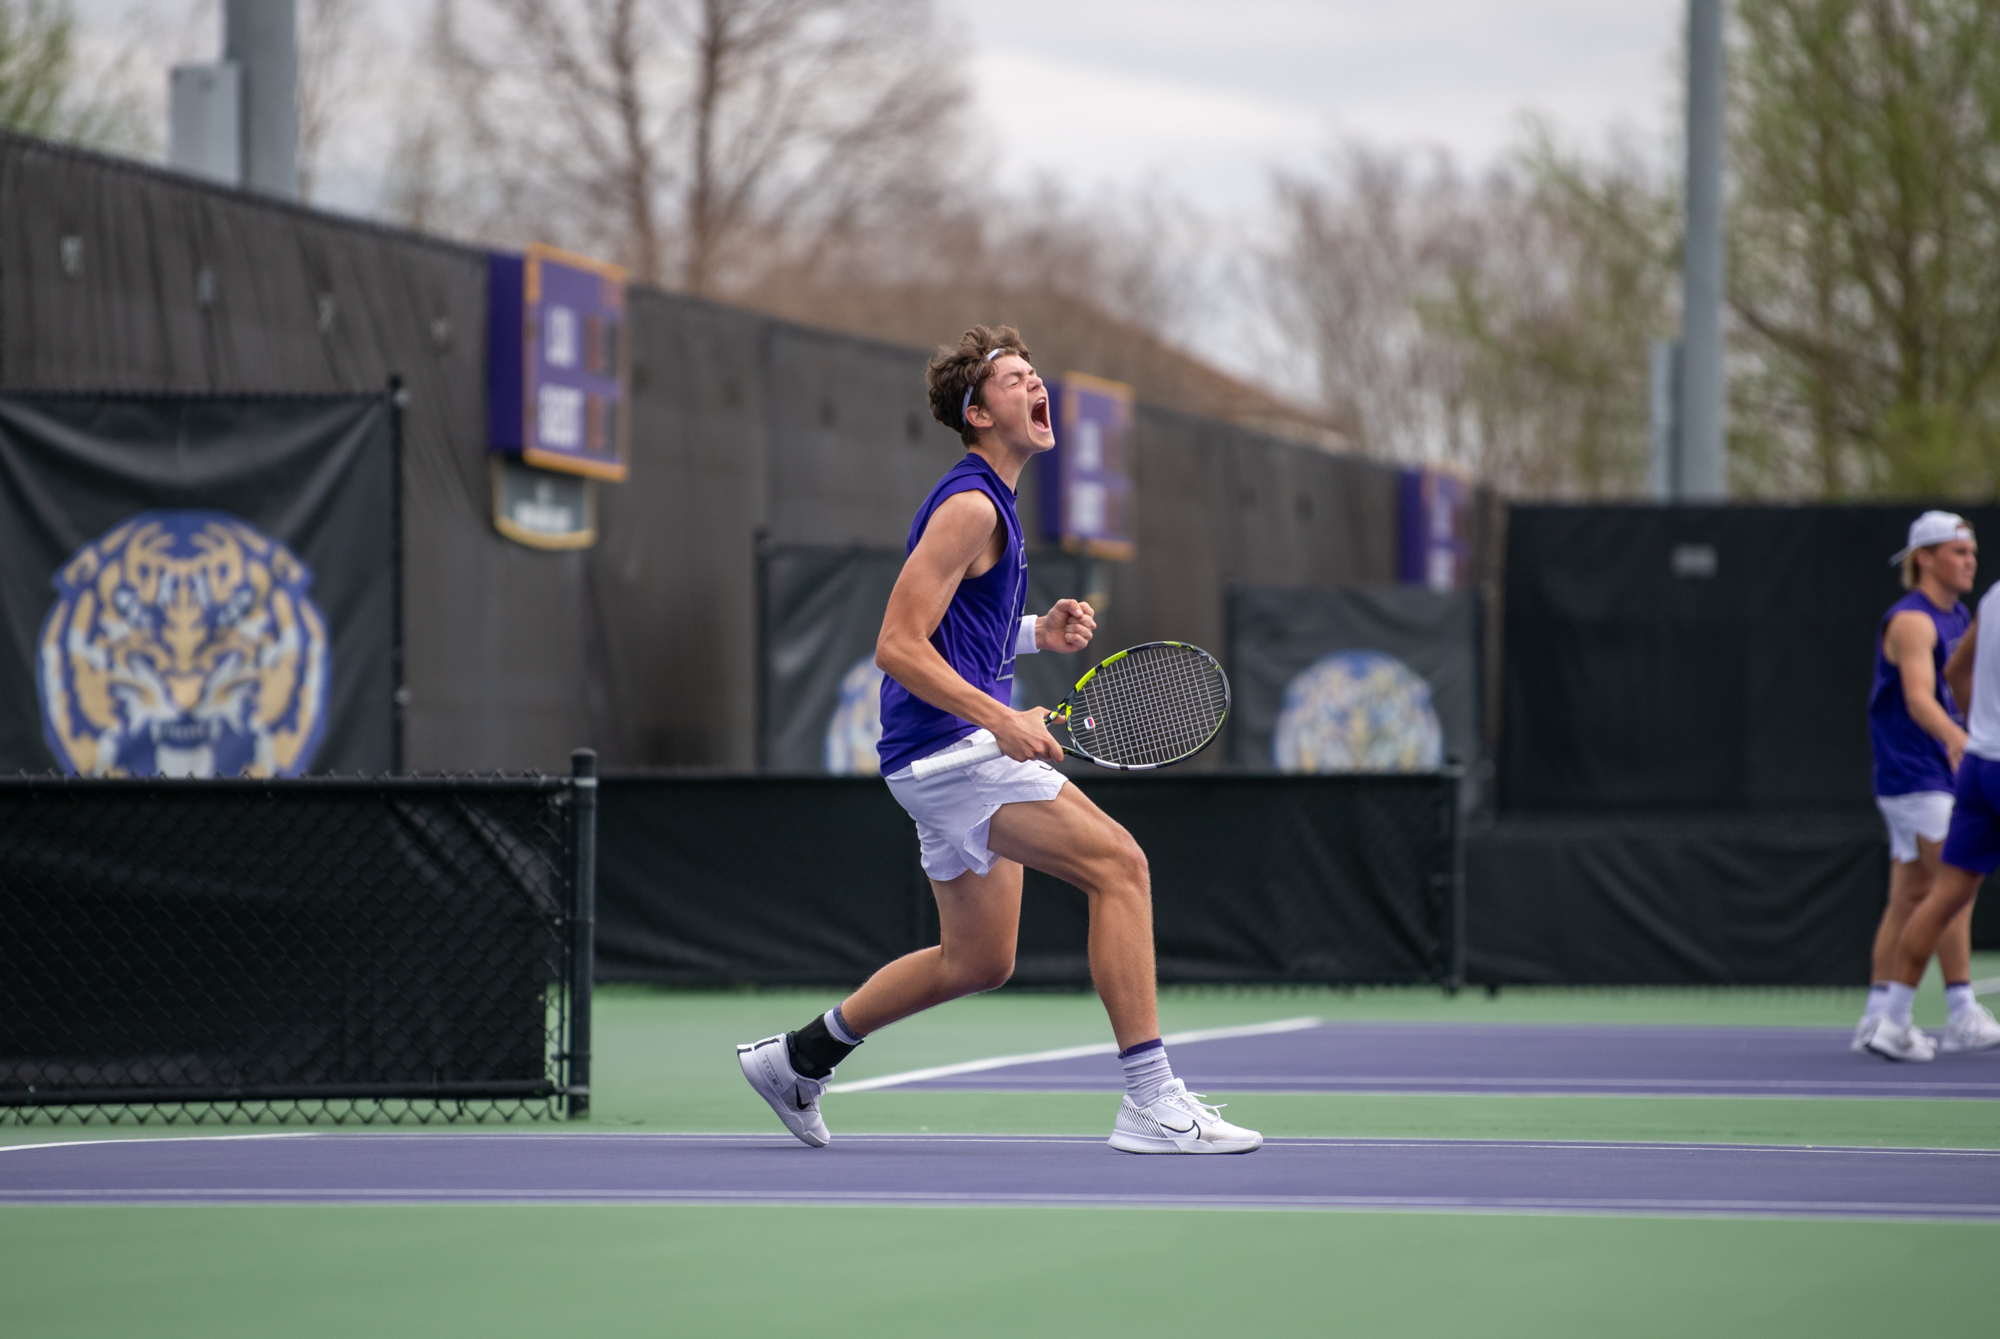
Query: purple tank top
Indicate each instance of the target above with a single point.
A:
(1907, 758)
(976, 636)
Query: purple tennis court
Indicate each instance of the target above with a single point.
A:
(1499, 1058)
(890, 1170)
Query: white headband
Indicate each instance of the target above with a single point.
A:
(965, 405)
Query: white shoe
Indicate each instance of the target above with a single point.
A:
(1893, 1041)
(767, 1064)
(1178, 1121)
(1971, 1029)
(1862, 1030)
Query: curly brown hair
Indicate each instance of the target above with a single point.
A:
(955, 370)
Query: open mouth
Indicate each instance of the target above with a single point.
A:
(1038, 413)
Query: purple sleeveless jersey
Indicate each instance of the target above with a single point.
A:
(977, 635)
(1907, 758)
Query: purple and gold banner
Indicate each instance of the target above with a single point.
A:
(558, 362)
(1086, 481)
(1434, 543)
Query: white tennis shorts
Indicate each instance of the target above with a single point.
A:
(954, 810)
(1921, 813)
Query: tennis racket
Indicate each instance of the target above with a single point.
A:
(1145, 707)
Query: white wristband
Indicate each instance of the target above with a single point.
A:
(1024, 641)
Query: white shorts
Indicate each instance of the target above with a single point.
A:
(1921, 813)
(953, 810)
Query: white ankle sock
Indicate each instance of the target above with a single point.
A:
(1146, 1071)
(1900, 999)
(1958, 997)
(1878, 1000)
(836, 1023)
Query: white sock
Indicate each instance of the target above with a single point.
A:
(1958, 997)
(1901, 997)
(836, 1023)
(1878, 1000)
(1146, 1071)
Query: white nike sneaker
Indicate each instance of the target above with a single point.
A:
(767, 1064)
(1893, 1041)
(1178, 1121)
(1971, 1029)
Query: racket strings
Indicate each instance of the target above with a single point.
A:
(1155, 705)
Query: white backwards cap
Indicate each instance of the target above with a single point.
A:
(1933, 527)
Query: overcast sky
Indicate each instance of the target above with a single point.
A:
(1204, 98)
(1195, 96)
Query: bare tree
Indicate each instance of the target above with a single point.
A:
(330, 36)
(1866, 263)
(1116, 284)
(47, 89)
(692, 139)
(1362, 247)
(1500, 324)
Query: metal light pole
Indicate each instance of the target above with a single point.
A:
(236, 120)
(1701, 421)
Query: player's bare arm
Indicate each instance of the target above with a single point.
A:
(1910, 643)
(1958, 669)
(958, 543)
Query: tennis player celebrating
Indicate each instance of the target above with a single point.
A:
(955, 622)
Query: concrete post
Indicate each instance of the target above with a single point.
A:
(205, 121)
(1664, 421)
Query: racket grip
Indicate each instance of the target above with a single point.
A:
(923, 769)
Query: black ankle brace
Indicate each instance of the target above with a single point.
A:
(814, 1050)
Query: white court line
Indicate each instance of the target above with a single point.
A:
(1988, 986)
(1068, 1053)
(1619, 1207)
(1429, 1083)
(163, 1139)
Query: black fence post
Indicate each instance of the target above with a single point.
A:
(400, 695)
(583, 926)
(1453, 817)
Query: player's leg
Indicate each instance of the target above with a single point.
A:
(1954, 947)
(1951, 895)
(1072, 839)
(1918, 823)
(979, 921)
(1969, 1025)
(979, 918)
(1909, 880)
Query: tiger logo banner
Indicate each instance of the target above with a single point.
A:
(183, 643)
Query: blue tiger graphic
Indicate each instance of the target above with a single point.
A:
(183, 643)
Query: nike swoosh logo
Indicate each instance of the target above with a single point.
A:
(1171, 1130)
(803, 1104)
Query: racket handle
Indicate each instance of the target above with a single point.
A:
(923, 769)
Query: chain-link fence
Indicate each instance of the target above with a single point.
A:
(324, 948)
